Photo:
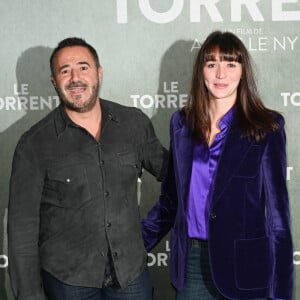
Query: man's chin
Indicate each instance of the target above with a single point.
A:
(86, 107)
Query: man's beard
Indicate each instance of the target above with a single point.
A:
(83, 107)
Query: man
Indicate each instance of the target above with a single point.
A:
(73, 225)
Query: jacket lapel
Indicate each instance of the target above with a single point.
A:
(234, 152)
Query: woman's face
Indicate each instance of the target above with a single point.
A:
(222, 78)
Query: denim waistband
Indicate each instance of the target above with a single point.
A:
(200, 242)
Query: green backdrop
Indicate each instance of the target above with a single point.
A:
(146, 48)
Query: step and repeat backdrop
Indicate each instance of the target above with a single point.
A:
(147, 49)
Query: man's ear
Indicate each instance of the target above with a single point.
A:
(53, 81)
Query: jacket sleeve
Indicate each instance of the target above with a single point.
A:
(278, 214)
(161, 217)
(154, 155)
(23, 225)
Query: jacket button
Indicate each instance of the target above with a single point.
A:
(68, 180)
(106, 193)
(213, 215)
(108, 224)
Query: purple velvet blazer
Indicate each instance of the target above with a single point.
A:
(250, 244)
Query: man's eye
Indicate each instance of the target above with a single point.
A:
(84, 68)
(65, 71)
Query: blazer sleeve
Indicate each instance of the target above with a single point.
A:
(161, 217)
(278, 214)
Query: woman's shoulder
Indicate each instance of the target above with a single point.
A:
(178, 116)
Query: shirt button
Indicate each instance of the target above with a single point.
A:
(106, 193)
(213, 215)
(101, 162)
(108, 224)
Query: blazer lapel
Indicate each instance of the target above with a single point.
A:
(234, 151)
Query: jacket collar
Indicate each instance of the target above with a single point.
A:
(63, 122)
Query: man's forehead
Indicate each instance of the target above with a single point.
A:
(74, 53)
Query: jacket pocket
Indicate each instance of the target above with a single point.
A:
(129, 159)
(66, 186)
(252, 263)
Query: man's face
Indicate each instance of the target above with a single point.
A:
(76, 78)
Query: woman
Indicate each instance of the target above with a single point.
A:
(225, 193)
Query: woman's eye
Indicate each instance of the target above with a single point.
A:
(231, 65)
(211, 65)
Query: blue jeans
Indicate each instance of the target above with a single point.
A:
(198, 282)
(139, 289)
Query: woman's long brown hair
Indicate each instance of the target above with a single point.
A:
(253, 117)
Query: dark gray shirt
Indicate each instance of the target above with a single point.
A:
(72, 198)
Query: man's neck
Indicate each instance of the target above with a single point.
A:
(90, 120)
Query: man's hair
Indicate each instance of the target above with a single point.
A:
(70, 42)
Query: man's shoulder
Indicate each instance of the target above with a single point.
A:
(122, 111)
(40, 128)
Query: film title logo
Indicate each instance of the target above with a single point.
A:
(288, 172)
(22, 100)
(281, 10)
(297, 258)
(291, 98)
(159, 259)
(169, 99)
(256, 41)
(3, 261)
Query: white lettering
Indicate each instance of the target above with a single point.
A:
(168, 246)
(160, 101)
(279, 15)
(196, 6)
(297, 258)
(23, 90)
(291, 98)
(161, 18)
(3, 261)
(196, 45)
(211, 8)
(288, 172)
(173, 87)
(28, 103)
(122, 11)
(236, 10)
(149, 101)
(160, 259)
(283, 43)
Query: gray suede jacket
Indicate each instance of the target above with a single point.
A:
(72, 198)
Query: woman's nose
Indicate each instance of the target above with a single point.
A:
(221, 73)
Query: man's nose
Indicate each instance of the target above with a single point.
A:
(74, 75)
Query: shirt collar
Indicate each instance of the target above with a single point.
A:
(63, 122)
(227, 119)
